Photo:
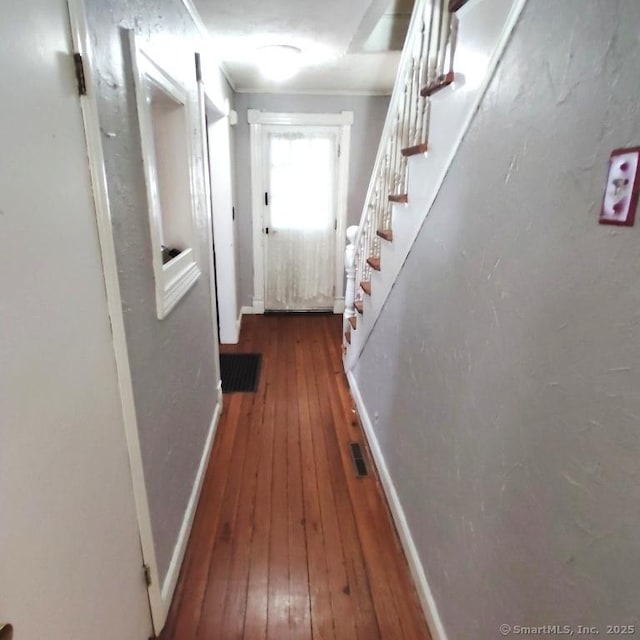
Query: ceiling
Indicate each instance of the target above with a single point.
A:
(348, 46)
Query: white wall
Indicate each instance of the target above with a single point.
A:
(369, 115)
(70, 561)
(502, 378)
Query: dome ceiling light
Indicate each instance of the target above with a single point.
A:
(278, 62)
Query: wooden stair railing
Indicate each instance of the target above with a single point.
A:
(426, 68)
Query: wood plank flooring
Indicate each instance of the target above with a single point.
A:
(287, 542)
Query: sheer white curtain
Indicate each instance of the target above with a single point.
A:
(301, 213)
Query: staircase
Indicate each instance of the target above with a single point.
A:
(450, 54)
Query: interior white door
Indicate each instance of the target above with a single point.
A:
(70, 560)
(300, 217)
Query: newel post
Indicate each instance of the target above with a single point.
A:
(350, 270)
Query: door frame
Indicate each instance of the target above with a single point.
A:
(221, 232)
(257, 121)
(159, 606)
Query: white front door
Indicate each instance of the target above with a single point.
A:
(300, 217)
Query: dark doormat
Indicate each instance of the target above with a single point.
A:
(240, 371)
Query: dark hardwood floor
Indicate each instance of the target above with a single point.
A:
(287, 542)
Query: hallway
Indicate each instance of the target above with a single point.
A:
(287, 542)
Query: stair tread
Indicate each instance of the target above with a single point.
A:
(416, 150)
(347, 335)
(366, 287)
(374, 263)
(385, 234)
(400, 197)
(353, 322)
(359, 306)
(438, 84)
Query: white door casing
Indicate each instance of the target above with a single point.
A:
(218, 182)
(257, 122)
(299, 217)
(159, 607)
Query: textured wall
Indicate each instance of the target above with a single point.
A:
(172, 360)
(503, 375)
(369, 113)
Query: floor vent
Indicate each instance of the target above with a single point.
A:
(357, 457)
(240, 371)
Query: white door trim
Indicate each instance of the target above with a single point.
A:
(202, 112)
(81, 44)
(220, 216)
(344, 118)
(257, 121)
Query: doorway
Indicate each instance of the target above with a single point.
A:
(214, 265)
(300, 217)
(299, 171)
(217, 139)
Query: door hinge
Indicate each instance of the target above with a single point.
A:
(147, 574)
(79, 66)
(339, 151)
(198, 67)
(266, 199)
(335, 225)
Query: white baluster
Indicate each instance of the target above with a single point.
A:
(434, 45)
(395, 152)
(453, 42)
(360, 261)
(443, 41)
(431, 29)
(425, 115)
(397, 189)
(417, 98)
(350, 270)
(404, 128)
(425, 35)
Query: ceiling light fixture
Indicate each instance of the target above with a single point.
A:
(279, 61)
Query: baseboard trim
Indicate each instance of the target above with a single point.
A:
(251, 311)
(257, 304)
(239, 325)
(171, 579)
(420, 580)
